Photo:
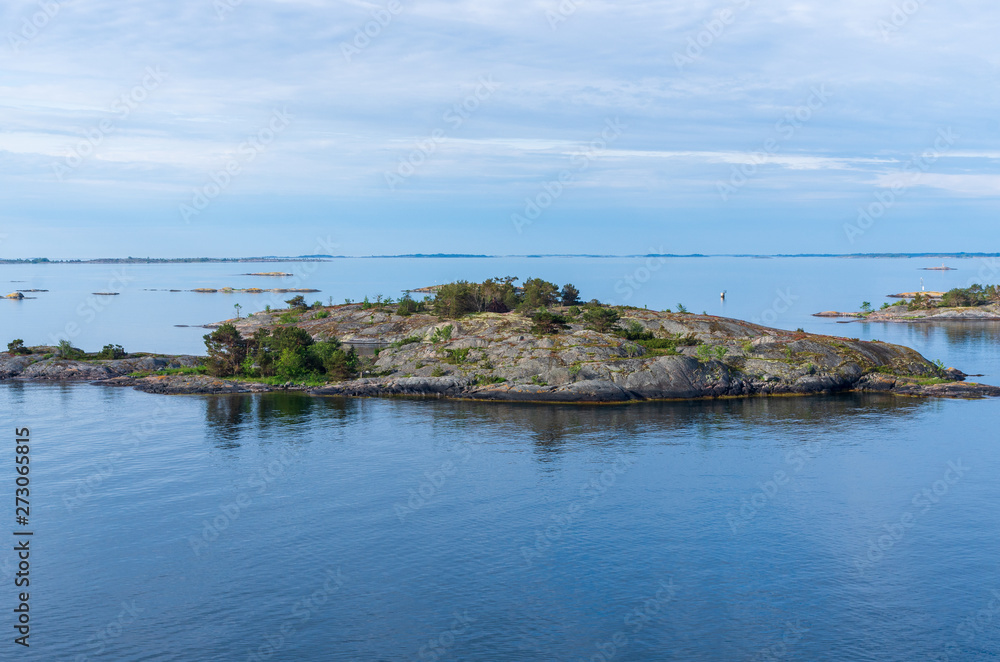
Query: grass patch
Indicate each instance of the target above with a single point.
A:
(406, 341)
(480, 380)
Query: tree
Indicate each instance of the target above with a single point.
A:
(570, 295)
(866, 306)
(455, 300)
(539, 293)
(297, 301)
(547, 323)
(226, 349)
(601, 320)
(112, 352)
(237, 307)
(407, 306)
(17, 347)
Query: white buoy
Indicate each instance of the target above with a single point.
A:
(723, 295)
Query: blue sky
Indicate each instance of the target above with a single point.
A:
(579, 126)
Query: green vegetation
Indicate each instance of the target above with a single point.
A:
(287, 353)
(538, 381)
(186, 370)
(407, 306)
(323, 314)
(297, 301)
(406, 341)
(442, 334)
(288, 318)
(547, 323)
(499, 295)
(600, 319)
(681, 308)
(17, 347)
(438, 371)
(457, 356)
(866, 306)
(67, 351)
(481, 380)
(112, 352)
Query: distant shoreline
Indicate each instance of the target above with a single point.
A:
(328, 258)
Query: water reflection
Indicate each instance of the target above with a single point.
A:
(231, 419)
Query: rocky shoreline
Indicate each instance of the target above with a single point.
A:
(901, 315)
(498, 357)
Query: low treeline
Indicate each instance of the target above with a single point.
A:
(287, 353)
(959, 297)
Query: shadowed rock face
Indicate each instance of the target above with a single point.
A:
(494, 356)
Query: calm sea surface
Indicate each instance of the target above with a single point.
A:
(285, 527)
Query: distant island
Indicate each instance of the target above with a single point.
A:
(496, 341)
(973, 303)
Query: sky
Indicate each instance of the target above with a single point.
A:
(293, 127)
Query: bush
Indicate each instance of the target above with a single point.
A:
(112, 352)
(17, 347)
(297, 301)
(407, 306)
(442, 334)
(437, 372)
(547, 323)
(601, 320)
(635, 331)
(67, 351)
(323, 314)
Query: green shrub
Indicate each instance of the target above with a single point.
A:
(112, 352)
(323, 314)
(67, 351)
(601, 319)
(442, 334)
(480, 380)
(546, 323)
(570, 296)
(406, 341)
(538, 381)
(288, 318)
(457, 356)
(297, 301)
(438, 371)
(17, 347)
(635, 331)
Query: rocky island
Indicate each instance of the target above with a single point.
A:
(469, 342)
(973, 303)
